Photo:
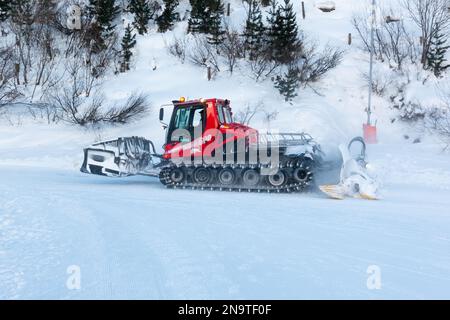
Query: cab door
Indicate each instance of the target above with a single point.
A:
(185, 137)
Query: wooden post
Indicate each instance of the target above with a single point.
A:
(349, 39)
(303, 10)
(17, 72)
(209, 74)
(228, 9)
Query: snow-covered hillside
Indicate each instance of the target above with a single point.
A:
(132, 238)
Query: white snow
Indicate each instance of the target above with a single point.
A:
(132, 238)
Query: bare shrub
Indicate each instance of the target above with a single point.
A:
(136, 106)
(85, 111)
(269, 117)
(231, 48)
(246, 115)
(438, 118)
(261, 67)
(8, 89)
(177, 48)
(314, 65)
(80, 101)
(381, 82)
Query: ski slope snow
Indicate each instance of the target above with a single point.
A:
(132, 238)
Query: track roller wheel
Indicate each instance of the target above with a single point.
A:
(278, 179)
(251, 178)
(302, 175)
(177, 175)
(227, 176)
(202, 176)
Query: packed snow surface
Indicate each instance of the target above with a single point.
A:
(132, 238)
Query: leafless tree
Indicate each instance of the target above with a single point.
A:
(203, 54)
(246, 115)
(393, 43)
(431, 16)
(231, 49)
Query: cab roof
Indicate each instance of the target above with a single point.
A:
(182, 102)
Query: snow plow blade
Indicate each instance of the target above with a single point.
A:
(355, 180)
(121, 158)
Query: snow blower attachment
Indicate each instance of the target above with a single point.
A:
(355, 181)
(206, 149)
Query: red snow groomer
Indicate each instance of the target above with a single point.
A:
(205, 148)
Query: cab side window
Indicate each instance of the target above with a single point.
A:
(220, 113)
(197, 119)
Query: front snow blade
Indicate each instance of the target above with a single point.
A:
(121, 158)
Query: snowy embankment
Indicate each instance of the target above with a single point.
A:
(132, 238)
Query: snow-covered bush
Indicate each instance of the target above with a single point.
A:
(438, 120)
(177, 47)
(408, 110)
(382, 80)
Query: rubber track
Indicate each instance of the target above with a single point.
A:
(287, 188)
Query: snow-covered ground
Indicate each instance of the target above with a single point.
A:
(131, 238)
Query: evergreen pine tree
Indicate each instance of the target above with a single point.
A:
(282, 34)
(216, 31)
(128, 43)
(199, 19)
(142, 14)
(273, 29)
(290, 34)
(288, 84)
(436, 56)
(254, 29)
(5, 8)
(166, 20)
(104, 12)
(206, 17)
